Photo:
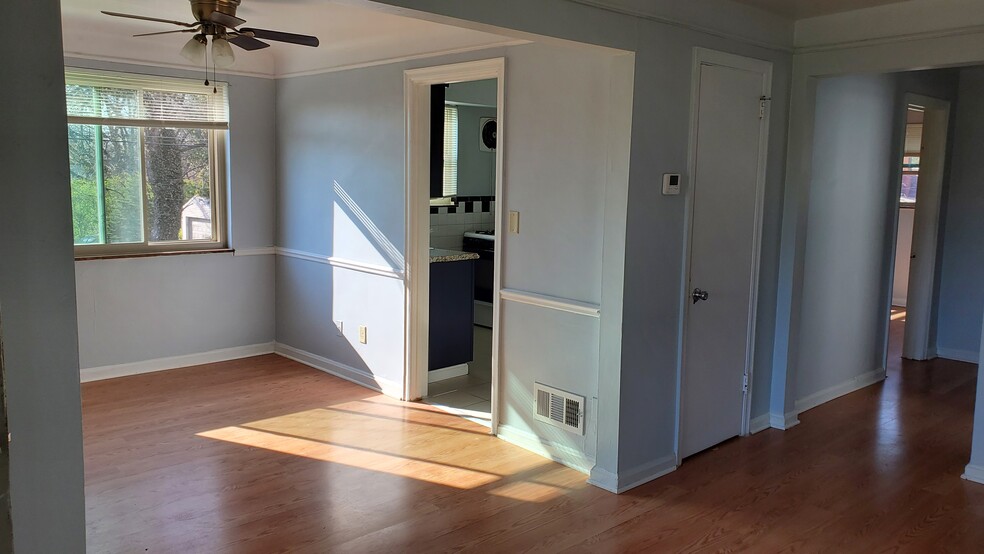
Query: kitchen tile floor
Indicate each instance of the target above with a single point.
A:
(469, 395)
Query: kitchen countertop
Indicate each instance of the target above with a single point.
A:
(440, 255)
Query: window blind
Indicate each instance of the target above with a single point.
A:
(450, 151)
(111, 98)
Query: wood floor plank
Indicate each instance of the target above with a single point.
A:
(267, 455)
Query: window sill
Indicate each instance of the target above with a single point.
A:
(153, 254)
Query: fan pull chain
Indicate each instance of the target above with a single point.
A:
(206, 65)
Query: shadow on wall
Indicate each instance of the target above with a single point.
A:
(356, 216)
(359, 284)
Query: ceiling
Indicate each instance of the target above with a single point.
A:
(350, 35)
(802, 9)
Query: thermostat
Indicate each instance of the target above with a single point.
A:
(671, 184)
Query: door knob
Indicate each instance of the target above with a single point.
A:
(698, 295)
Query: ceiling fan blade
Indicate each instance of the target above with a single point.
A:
(167, 32)
(248, 43)
(304, 40)
(145, 18)
(226, 20)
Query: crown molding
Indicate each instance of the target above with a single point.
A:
(165, 65)
(891, 39)
(607, 6)
(399, 59)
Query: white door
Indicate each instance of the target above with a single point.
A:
(925, 227)
(729, 155)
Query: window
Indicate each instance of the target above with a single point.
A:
(910, 160)
(147, 156)
(910, 180)
(450, 151)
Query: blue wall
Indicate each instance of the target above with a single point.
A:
(961, 298)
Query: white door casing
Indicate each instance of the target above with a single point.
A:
(729, 143)
(416, 86)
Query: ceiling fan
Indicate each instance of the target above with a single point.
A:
(217, 19)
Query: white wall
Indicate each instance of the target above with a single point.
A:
(852, 181)
(37, 292)
(341, 139)
(903, 249)
(141, 309)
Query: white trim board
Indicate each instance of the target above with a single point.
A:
(784, 422)
(551, 302)
(261, 251)
(974, 473)
(968, 356)
(361, 267)
(760, 423)
(445, 373)
(90, 374)
(340, 370)
(634, 477)
(560, 453)
(851, 385)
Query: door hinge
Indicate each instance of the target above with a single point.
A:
(763, 105)
(744, 383)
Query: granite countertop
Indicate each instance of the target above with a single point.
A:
(438, 255)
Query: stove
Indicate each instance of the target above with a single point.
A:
(483, 244)
(482, 235)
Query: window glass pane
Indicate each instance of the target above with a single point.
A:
(178, 184)
(910, 179)
(121, 179)
(105, 177)
(450, 151)
(82, 164)
(909, 185)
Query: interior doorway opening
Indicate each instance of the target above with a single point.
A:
(464, 142)
(922, 172)
(455, 159)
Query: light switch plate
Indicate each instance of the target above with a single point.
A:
(671, 184)
(362, 334)
(514, 223)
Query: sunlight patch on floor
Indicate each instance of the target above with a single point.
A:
(401, 441)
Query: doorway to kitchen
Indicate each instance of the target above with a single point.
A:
(454, 182)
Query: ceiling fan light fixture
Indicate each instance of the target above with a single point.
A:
(194, 50)
(222, 52)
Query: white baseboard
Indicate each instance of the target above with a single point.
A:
(349, 373)
(562, 454)
(758, 424)
(173, 362)
(974, 473)
(968, 356)
(784, 422)
(632, 478)
(444, 373)
(847, 387)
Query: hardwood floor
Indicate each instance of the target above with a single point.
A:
(267, 455)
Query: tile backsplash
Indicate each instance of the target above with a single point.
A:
(470, 213)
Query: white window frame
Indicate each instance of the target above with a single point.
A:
(218, 171)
